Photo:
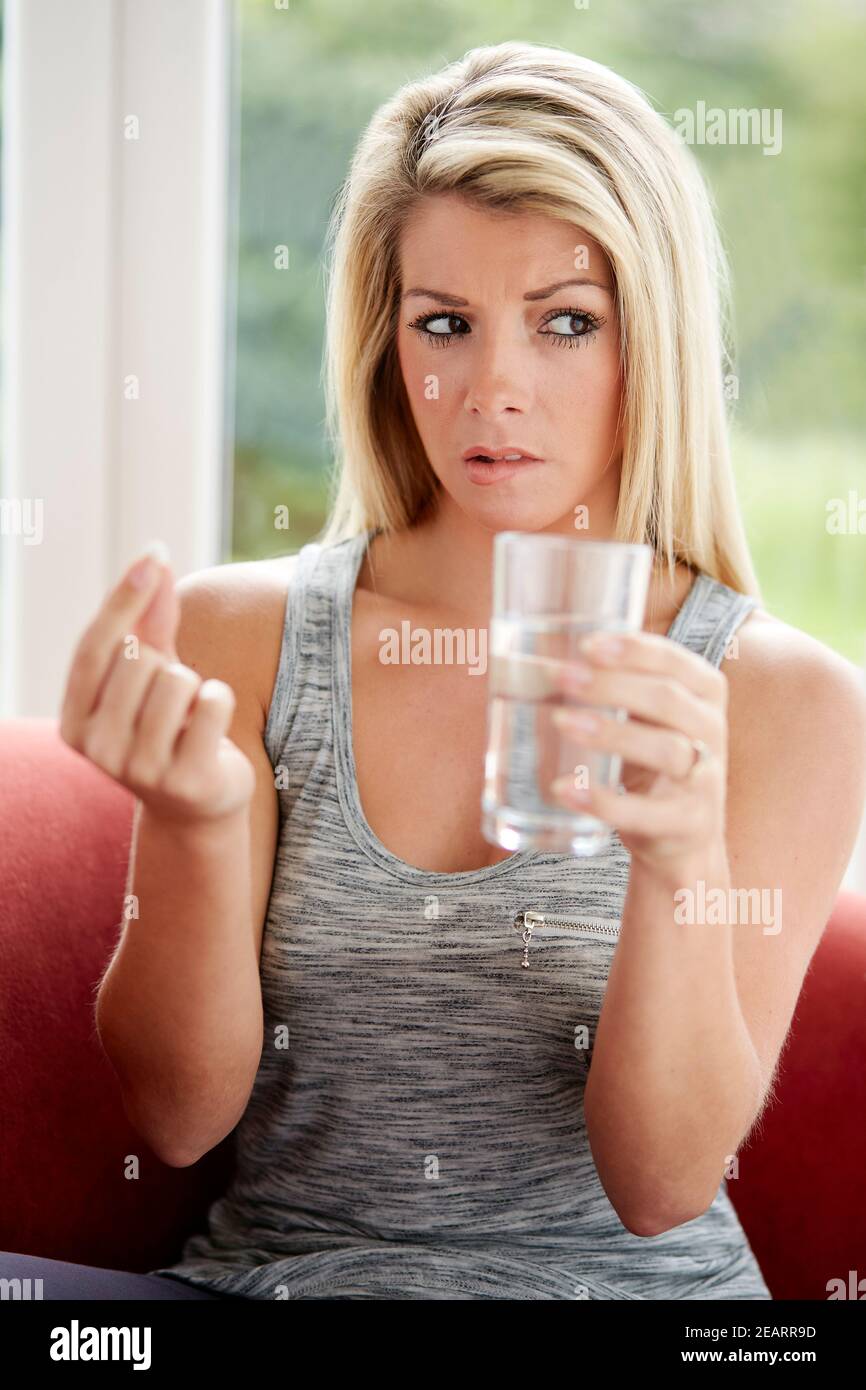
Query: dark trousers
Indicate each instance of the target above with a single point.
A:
(64, 1280)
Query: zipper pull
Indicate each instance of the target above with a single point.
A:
(523, 923)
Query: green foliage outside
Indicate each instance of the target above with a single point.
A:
(792, 223)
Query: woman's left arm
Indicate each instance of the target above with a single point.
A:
(704, 981)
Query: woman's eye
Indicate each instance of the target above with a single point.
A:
(439, 329)
(440, 318)
(430, 325)
(589, 321)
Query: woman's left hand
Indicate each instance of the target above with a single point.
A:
(672, 810)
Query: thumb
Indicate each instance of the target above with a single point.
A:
(159, 622)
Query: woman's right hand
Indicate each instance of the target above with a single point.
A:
(149, 722)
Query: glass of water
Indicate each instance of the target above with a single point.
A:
(548, 593)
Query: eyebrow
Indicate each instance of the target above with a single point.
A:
(544, 293)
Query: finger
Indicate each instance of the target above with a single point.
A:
(640, 813)
(169, 700)
(659, 699)
(159, 624)
(116, 617)
(655, 655)
(209, 722)
(109, 730)
(644, 745)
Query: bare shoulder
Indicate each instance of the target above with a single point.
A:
(795, 790)
(772, 661)
(231, 625)
(796, 717)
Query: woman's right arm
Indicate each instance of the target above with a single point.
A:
(179, 1009)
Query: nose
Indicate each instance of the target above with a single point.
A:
(498, 380)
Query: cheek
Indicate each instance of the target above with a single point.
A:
(429, 376)
(582, 381)
(413, 365)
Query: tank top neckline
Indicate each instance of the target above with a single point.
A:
(347, 776)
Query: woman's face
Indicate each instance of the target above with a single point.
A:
(499, 354)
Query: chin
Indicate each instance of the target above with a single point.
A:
(511, 505)
(515, 515)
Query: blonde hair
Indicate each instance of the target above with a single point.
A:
(521, 127)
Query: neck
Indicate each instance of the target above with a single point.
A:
(446, 560)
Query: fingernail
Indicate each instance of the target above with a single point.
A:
(575, 673)
(564, 786)
(580, 721)
(142, 571)
(159, 550)
(601, 644)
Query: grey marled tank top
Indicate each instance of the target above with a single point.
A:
(416, 1125)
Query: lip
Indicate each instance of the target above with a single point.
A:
(498, 452)
(486, 474)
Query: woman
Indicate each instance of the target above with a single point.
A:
(326, 953)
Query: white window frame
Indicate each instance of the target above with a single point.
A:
(114, 264)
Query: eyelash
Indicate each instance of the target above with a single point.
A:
(569, 340)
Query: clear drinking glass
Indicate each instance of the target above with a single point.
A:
(548, 592)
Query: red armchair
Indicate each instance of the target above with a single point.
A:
(64, 844)
(65, 833)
